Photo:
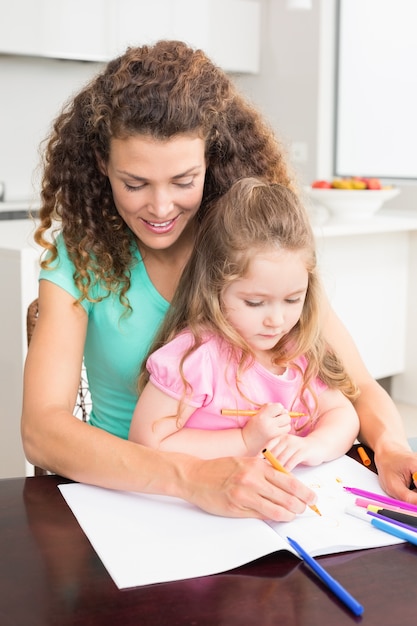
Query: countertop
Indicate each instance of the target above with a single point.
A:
(16, 234)
(18, 209)
(382, 222)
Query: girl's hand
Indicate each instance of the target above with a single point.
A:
(293, 450)
(267, 425)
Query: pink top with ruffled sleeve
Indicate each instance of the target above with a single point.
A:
(212, 377)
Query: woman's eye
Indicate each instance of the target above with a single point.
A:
(133, 187)
(185, 183)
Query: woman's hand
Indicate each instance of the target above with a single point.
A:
(381, 425)
(396, 467)
(267, 425)
(246, 487)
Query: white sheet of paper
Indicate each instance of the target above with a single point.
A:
(335, 530)
(144, 539)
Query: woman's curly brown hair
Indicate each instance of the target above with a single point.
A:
(160, 91)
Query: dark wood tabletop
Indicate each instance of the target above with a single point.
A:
(51, 576)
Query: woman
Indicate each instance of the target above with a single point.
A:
(131, 164)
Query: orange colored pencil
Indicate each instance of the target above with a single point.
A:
(277, 465)
(248, 412)
(364, 457)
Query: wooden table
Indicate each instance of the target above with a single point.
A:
(51, 576)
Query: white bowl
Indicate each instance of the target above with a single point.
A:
(351, 204)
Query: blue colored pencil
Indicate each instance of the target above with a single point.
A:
(394, 521)
(339, 591)
(396, 531)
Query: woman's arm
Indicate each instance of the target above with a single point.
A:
(54, 439)
(155, 424)
(381, 426)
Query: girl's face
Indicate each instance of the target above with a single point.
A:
(157, 185)
(267, 303)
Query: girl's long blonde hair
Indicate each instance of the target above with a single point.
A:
(252, 216)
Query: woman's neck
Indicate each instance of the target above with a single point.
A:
(164, 267)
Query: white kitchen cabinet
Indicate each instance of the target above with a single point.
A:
(368, 268)
(97, 30)
(365, 274)
(404, 386)
(19, 269)
(20, 27)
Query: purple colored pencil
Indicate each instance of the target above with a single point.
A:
(393, 521)
(384, 499)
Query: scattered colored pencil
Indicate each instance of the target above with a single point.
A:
(277, 465)
(334, 586)
(364, 457)
(249, 412)
(362, 502)
(399, 516)
(382, 499)
(396, 531)
(386, 524)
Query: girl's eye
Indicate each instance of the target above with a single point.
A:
(253, 303)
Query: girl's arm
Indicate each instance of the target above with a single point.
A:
(332, 436)
(381, 426)
(336, 428)
(54, 439)
(155, 424)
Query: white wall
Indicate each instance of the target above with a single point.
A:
(286, 89)
(32, 92)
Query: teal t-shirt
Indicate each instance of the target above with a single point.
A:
(115, 345)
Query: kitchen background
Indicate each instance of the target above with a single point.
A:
(283, 55)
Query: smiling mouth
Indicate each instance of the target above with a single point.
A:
(160, 224)
(161, 227)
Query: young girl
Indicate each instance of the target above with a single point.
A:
(244, 334)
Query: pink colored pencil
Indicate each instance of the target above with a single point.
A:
(365, 503)
(382, 499)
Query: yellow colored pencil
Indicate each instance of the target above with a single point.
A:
(248, 412)
(277, 465)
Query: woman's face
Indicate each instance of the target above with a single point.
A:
(157, 185)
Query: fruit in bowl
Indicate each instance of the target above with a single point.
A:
(321, 184)
(352, 182)
(351, 198)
